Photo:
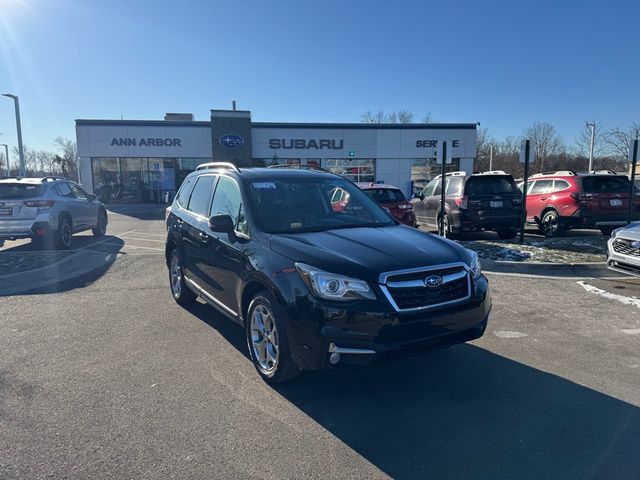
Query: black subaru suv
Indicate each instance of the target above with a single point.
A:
(316, 288)
(482, 201)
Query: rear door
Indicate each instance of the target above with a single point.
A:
(421, 205)
(493, 195)
(87, 208)
(13, 196)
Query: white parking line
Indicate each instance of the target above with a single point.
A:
(137, 246)
(611, 296)
(144, 239)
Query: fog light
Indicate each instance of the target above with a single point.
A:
(334, 358)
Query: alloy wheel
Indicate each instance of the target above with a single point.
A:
(176, 276)
(264, 339)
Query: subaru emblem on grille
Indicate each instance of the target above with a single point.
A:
(433, 281)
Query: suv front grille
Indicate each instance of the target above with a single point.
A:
(407, 291)
(625, 247)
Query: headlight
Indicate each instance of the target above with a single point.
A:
(474, 265)
(331, 286)
(615, 233)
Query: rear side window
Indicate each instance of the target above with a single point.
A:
(385, 195)
(15, 191)
(542, 186)
(560, 185)
(490, 185)
(201, 196)
(183, 195)
(64, 190)
(605, 183)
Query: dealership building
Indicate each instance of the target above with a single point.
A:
(132, 161)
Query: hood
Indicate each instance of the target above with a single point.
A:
(367, 252)
(631, 231)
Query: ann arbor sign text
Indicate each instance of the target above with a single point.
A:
(145, 142)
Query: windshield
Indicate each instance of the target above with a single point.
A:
(490, 185)
(292, 205)
(16, 191)
(385, 195)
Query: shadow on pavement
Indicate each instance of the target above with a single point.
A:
(139, 211)
(465, 412)
(82, 265)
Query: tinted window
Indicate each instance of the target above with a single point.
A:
(454, 185)
(183, 195)
(490, 185)
(385, 195)
(11, 191)
(605, 183)
(430, 188)
(64, 190)
(290, 205)
(228, 201)
(199, 201)
(542, 186)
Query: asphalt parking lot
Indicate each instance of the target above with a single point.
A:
(104, 376)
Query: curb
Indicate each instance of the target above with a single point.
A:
(76, 265)
(559, 270)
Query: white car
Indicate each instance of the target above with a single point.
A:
(623, 252)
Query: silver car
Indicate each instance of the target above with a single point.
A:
(623, 253)
(48, 210)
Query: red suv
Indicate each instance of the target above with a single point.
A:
(559, 201)
(386, 196)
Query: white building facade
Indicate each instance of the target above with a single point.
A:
(131, 161)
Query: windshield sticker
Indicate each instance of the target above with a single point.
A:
(264, 185)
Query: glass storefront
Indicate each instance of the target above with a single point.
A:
(423, 170)
(356, 170)
(140, 180)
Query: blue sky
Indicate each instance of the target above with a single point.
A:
(505, 64)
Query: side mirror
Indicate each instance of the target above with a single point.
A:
(92, 197)
(418, 195)
(221, 223)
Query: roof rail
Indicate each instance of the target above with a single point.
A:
(559, 173)
(52, 179)
(300, 167)
(602, 172)
(228, 165)
(493, 172)
(460, 173)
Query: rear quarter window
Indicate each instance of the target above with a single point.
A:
(490, 185)
(605, 183)
(15, 191)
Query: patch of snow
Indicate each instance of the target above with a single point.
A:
(634, 302)
(509, 334)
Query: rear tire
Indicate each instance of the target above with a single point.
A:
(101, 227)
(267, 340)
(180, 292)
(606, 231)
(448, 233)
(508, 234)
(550, 225)
(64, 234)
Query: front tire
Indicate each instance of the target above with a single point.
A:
(180, 292)
(606, 231)
(101, 226)
(267, 340)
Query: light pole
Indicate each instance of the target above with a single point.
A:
(16, 104)
(593, 139)
(6, 155)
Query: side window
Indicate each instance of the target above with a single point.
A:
(64, 190)
(542, 186)
(559, 185)
(201, 196)
(227, 200)
(429, 189)
(79, 193)
(183, 195)
(453, 185)
(438, 190)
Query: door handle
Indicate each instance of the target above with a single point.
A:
(543, 198)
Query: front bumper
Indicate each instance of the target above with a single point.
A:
(316, 329)
(618, 262)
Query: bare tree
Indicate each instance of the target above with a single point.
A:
(428, 118)
(620, 141)
(545, 141)
(373, 117)
(401, 116)
(66, 157)
(583, 142)
(405, 116)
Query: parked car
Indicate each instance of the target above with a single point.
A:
(48, 209)
(473, 202)
(387, 196)
(316, 288)
(559, 201)
(623, 250)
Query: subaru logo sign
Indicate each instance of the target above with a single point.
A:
(433, 281)
(231, 141)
